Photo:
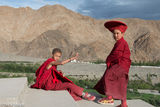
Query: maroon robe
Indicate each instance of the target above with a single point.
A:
(51, 79)
(115, 79)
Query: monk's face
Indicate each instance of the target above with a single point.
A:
(57, 56)
(117, 34)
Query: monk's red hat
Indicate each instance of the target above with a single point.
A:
(112, 25)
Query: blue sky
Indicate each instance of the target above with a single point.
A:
(100, 9)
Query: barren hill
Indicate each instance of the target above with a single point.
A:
(28, 32)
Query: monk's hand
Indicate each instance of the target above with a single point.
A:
(75, 57)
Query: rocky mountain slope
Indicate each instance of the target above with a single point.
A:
(28, 32)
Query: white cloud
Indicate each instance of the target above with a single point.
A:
(104, 9)
(123, 2)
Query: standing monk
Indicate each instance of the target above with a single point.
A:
(114, 82)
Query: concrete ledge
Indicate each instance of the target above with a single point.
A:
(131, 103)
(42, 98)
(15, 93)
(11, 91)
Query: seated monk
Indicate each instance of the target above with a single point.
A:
(48, 78)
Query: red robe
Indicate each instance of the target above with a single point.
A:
(115, 79)
(51, 79)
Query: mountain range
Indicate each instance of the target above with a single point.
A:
(34, 33)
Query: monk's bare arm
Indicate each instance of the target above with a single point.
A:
(58, 63)
(62, 62)
(49, 66)
(53, 63)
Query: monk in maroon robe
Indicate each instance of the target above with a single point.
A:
(114, 82)
(48, 78)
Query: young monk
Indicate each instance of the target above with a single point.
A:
(48, 78)
(114, 82)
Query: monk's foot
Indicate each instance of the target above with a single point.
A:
(106, 101)
(89, 97)
(122, 105)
